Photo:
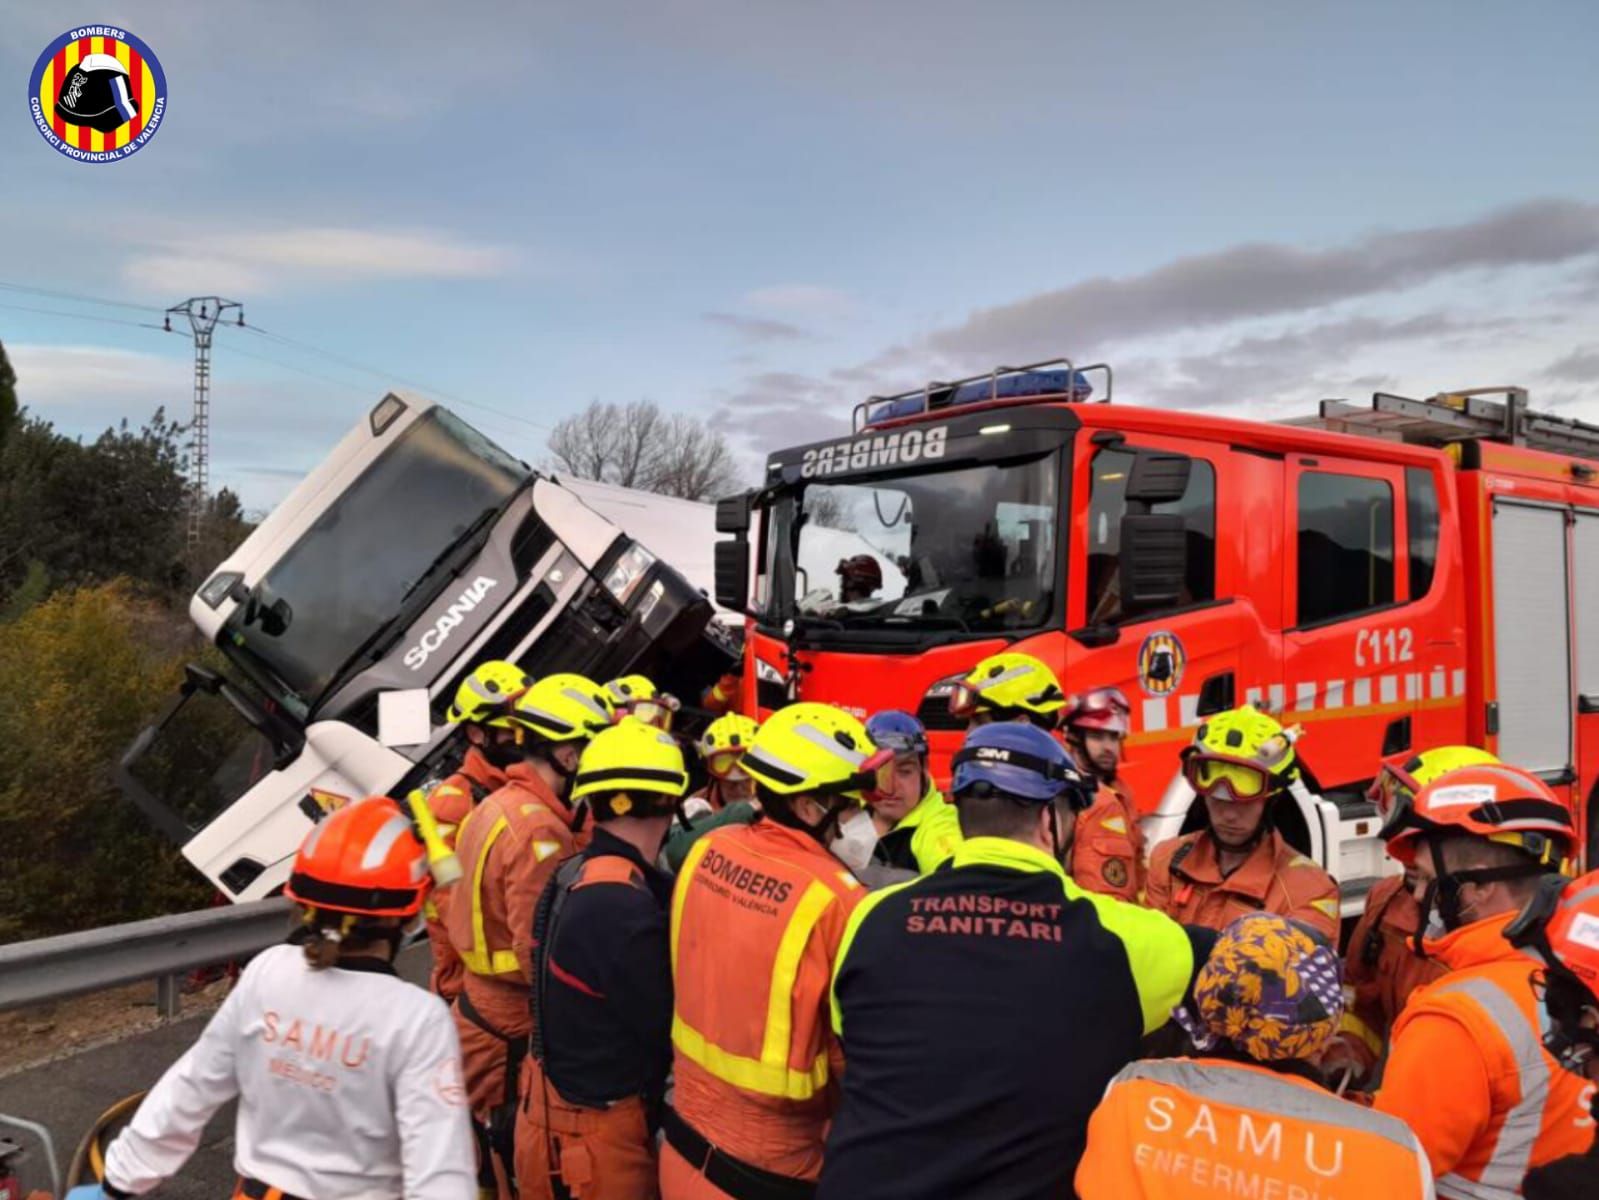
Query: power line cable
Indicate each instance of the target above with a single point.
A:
(78, 296)
(55, 312)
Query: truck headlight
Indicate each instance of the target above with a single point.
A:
(628, 572)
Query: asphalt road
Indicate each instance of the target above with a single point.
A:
(67, 1095)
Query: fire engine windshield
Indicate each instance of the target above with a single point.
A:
(370, 555)
(966, 550)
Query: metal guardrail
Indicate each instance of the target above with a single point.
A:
(162, 948)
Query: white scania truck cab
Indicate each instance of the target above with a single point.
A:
(416, 550)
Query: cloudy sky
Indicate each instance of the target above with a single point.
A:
(763, 210)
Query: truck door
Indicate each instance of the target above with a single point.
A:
(1533, 704)
(1585, 607)
(1184, 661)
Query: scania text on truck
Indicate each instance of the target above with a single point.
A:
(1392, 578)
(417, 549)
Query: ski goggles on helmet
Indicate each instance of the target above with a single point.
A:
(964, 701)
(723, 763)
(1217, 777)
(873, 777)
(657, 711)
(1392, 784)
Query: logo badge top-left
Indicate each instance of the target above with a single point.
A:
(97, 94)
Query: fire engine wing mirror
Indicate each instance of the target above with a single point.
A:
(1158, 478)
(733, 514)
(1154, 561)
(733, 574)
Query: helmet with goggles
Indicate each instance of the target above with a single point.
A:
(724, 742)
(1401, 779)
(1106, 709)
(817, 749)
(1241, 756)
(637, 696)
(1007, 687)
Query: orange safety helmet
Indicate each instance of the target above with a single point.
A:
(364, 859)
(1493, 801)
(1561, 923)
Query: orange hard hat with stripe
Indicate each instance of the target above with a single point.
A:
(364, 859)
(1494, 801)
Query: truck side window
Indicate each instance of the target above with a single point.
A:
(1346, 546)
(1107, 504)
(1421, 513)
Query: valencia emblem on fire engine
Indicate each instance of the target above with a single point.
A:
(1160, 663)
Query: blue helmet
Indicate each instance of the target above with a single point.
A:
(898, 731)
(1023, 762)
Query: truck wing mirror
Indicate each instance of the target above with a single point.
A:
(733, 574)
(1154, 561)
(733, 514)
(1158, 478)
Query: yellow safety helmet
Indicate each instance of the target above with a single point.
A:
(816, 748)
(488, 695)
(1008, 685)
(1396, 781)
(564, 708)
(724, 743)
(638, 696)
(1240, 755)
(631, 768)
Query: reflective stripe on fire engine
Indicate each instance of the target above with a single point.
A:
(1313, 700)
(479, 960)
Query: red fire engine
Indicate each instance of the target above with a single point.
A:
(1391, 577)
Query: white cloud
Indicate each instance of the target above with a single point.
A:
(273, 260)
(802, 300)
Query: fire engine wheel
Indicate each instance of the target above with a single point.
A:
(88, 1161)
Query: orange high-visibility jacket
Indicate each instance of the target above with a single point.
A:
(1186, 883)
(1468, 1072)
(452, 802)
(1181, 1127)
(1382, 969)
(1108, 848)
(757, 916)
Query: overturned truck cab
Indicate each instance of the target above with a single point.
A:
(341, 628)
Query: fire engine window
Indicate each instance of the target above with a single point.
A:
(1421, 514)
(1107, 504)
(1346, 546)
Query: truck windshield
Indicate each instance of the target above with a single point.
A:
(367, 553)
(969, 549)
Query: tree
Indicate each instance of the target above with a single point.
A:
(638, 446)
(8, 396)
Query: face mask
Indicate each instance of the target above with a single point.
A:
(855, 840)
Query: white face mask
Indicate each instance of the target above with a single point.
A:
(855, 841)
(1435, 925)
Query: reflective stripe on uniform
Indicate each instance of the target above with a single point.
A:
(770, 1075)
(1252, 1090)
(1507, 1165)
(479, 960)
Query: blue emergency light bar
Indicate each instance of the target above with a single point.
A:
(1054, 379)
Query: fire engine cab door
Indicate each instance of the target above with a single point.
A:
(1585, 606)
(1533, 695)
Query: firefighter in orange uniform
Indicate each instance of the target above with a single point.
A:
(1468, 1069)
(1239, 765)
(483, 709)
(1108, 852)
(1381, 963)
(1561, 924)
(757, 916)
(508, 848)
(1248, 1116)
(602, 983)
